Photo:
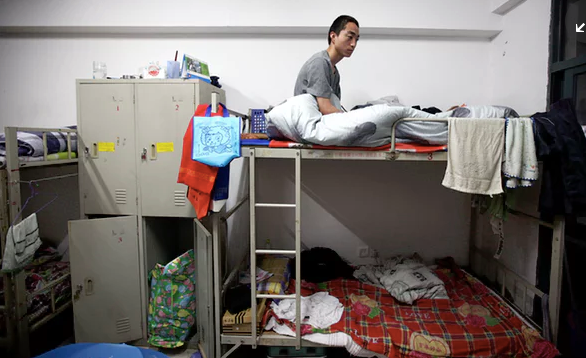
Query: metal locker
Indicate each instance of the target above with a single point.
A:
(104, 278)
(203, 93)
(163, 114)
(107, 149)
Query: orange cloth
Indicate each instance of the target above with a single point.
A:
(199, 177)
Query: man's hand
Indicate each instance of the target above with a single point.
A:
(326, 107)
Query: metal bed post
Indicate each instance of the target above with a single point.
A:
(298, 249)
(252, 194)
(217, 283)
(555, 278)
(9, 340)
(13, 173)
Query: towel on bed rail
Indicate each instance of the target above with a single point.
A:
(520, 165)
(22, 240)
(475, 156)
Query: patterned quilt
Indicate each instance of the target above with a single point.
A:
(474, 322)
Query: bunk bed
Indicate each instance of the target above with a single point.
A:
(519, 326)
(39, 289)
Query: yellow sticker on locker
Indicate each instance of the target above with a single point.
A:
(106, 146)
(165, 147)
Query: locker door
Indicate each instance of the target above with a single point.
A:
(107, 147)
(163, 114)
(105, 279)
(204, 290)
(203, 93)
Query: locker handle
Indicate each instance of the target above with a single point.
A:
(153, 151)
(94, 150)
(89, 286)
(77, 293)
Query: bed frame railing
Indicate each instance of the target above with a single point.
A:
(14, 280)
(502, 274)
(222, 282)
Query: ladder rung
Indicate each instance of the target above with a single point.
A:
(270, 205)
(276, 252)
(274, 296)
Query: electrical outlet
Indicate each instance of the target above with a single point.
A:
(363, 251)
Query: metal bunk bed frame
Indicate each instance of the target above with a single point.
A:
(17, 327)
(222, 282)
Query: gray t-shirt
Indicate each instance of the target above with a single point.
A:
(317, 77)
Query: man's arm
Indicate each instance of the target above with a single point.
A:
(326, 107)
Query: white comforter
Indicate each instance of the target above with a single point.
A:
(298, 119)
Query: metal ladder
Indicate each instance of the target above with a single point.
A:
(288, 154)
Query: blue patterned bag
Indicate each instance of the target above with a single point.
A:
(216, 140)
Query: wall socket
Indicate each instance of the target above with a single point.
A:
(363, 251)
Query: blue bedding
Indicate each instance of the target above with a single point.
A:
(30, 144)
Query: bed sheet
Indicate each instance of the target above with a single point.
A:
(399, 147)
(473, 322)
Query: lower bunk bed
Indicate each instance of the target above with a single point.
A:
(457, 315)
(47, 286)
(48, 289)
(35, 290)
(472, 319)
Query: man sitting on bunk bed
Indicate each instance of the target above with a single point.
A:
(319, 76)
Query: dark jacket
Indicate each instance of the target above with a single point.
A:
(561, 145)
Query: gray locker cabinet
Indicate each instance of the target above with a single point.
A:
(118, 121)
(104, 279)
(163, 112)
(107, 149)
(131, 136)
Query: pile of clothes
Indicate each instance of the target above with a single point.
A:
(407, 279)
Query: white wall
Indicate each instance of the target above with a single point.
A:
(428, 53)
(254, 71)
(519, 58)
(424, 14)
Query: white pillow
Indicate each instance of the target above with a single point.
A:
(292, 117)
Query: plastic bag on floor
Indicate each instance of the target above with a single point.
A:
(172, 301)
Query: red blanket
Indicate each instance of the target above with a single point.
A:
(474, 322)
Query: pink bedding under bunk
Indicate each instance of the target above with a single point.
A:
(44, 269)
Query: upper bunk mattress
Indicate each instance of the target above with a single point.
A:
(298, 119)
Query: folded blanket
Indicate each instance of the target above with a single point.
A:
(31, 143)
(520, 165)
(475, 156)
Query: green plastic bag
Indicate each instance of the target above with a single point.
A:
(172, 301)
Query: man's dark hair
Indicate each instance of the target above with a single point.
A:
(340, 24)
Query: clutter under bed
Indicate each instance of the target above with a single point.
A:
(474, 321)
(402, 308)
(45, 273)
